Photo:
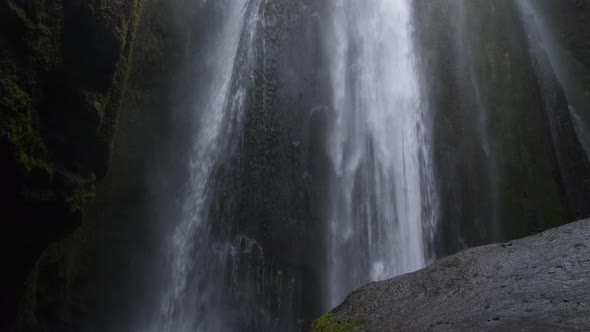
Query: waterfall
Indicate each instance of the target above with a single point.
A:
(321, 145)
(192, 291)
(383, 208)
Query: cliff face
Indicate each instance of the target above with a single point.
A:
(64, 67)
(87, 280)
(570, 20)
(537, 283)
(566, 39)
(63, 70)
(506, 154)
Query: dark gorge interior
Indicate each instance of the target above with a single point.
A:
(244, 165)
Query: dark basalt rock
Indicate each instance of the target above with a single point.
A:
(506, 155)
(539, 283)
(63, 70)
(566, 39)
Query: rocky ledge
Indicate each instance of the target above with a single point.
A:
(539, 283)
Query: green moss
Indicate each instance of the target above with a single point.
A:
(110, 13)
(454, 262)
(20, 14)
(16, 112)
(31, 163)
(94, 103)
(83, 191)
(328, 323)
(40, 40)
(44, 47)
(16, 128)
(119, 84)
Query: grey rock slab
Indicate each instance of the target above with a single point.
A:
(538, 283)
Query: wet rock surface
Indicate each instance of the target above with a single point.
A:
(539, 283)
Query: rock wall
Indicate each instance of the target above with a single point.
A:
(270, 189)
(566, 40)
(506, 156)
(96, 278)
(569, 19)
(63, 71)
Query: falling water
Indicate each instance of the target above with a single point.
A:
(382, 208)
(192, 292)
(283, 213)
(382, 198)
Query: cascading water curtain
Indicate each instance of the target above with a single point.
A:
(383, 204)
(193, 288)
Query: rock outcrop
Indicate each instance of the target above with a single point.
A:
(63, 71)
(539, 283)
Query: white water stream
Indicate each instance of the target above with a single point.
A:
(383, 198)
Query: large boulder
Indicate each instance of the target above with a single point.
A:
(539, 283)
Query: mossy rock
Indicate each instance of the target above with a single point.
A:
(63, 72)
(329, 323)
(16, 112)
